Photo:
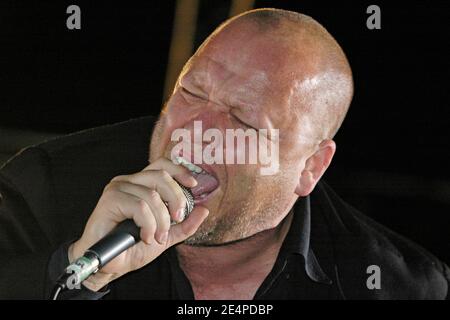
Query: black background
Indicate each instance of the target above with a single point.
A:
(392, 158)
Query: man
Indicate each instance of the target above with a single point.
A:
(251, 235)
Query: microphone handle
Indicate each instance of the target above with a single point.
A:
(124, 236)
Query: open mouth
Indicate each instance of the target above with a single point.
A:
(207, 184)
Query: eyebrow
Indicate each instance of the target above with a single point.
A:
(244, 122)
(243, 106)
(195, 80)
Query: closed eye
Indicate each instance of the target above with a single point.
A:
(189, 93)
(246, 125)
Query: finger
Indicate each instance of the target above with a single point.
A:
(142, 253)
(166, 186)
(180, 173)
(188, 227)
(157, 207)
(161, 215)
(125, 205)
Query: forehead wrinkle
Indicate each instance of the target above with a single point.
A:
(239, 89)
(200, 78)
(208, 73)
(252, 88)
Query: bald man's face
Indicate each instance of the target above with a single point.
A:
(240, 79)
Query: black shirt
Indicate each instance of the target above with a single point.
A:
(48, 192)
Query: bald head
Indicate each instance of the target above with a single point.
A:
(265, 69)
(322, 85)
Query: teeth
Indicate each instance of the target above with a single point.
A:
(190, 166)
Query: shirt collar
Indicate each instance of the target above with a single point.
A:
(298, 240)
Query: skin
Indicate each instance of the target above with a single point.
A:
(291, 76)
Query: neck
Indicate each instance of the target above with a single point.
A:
(227, 265)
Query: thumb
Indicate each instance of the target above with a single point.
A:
(188, 227)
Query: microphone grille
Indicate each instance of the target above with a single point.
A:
(189, 200)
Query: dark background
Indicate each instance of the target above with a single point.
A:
(392, 158)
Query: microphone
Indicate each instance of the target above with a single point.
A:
(124, 236)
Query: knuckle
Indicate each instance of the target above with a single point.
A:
(107, 188)
(109, 193)
(154, 196)
(113, 185)
(118, 178)
(142, 206)
(156, 161)
(181, 200)
(164, 175)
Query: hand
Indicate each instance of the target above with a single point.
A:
(140, 197)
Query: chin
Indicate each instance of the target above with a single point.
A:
(220, 234)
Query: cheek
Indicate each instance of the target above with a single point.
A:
(286, 181)
(157, 141)
(174, 116)
(176, 113)
(292, 159)
(241, 182)
(246, 182)
(161, 138)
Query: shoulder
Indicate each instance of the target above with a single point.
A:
(360, 244)
(99, 152)
(122, 140)
(59, 181)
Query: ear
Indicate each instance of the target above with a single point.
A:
(315, 167)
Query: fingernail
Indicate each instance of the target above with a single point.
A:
(163, 237)
(179, 215)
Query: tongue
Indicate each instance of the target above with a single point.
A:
(206, 184)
